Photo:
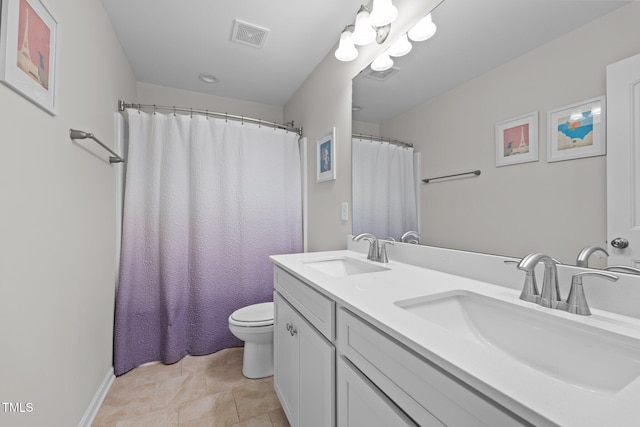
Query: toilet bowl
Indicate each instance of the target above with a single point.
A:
(254, 325)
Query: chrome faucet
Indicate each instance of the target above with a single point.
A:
(411, 237)
(585, 253)
(377, 249)
(577, 301)
(373, 244)
(550, 294)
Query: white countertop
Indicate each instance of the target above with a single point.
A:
(537, 397)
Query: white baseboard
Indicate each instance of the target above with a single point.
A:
(98, 398)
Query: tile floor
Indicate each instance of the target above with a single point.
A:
(196, 391)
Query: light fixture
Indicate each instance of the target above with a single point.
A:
(346, 50)
(208, 78)
(382, 63)
(383, 13)
(401, 47)
(364, 33)
(423, 30)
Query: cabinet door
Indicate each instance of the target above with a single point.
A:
(361, 404)
(286, 359)
(317, 378)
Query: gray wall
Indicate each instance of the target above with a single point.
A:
(324, 101)
(556, 208)
(58, 227)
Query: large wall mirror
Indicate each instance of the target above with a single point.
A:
(490, 61)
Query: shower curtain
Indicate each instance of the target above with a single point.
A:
(384, 191)
(206, 202)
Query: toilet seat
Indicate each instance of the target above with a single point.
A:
(253, 315)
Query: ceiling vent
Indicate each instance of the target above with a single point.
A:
(249, 34)
(380, 75)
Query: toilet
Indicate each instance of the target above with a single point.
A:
(254, 325)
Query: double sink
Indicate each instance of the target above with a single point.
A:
(555, 344)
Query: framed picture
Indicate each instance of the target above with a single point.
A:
(517, 140)
(577, 130)
(326, 164)
(28, 51)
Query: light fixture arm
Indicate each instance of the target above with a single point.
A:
(353, 34)
(381, 32)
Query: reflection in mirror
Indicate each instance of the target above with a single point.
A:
(488, 62)
(384, 190)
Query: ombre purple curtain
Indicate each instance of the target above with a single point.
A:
(206, 202)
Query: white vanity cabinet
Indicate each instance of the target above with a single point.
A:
(423, 391)
(304, 356)
(333, 367)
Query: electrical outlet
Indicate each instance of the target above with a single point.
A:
(344, 212)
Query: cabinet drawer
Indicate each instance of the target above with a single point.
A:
(315, 307)
(418, 387)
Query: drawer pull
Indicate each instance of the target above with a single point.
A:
(292, 330)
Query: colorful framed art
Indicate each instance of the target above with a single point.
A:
(517, 140)
(325, 154)
(28, 51)
(576, 131)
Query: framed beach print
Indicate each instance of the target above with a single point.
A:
(28, 51)
(517, 140)
(326, 163)
(577, 130)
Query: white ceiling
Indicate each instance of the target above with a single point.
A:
(170, 43)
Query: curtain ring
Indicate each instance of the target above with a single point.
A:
(206, 112)
(154, 109)
(174, 111)
(225, 117)
(191, 111)
(242, 120)
(275, 126)
(259, 123)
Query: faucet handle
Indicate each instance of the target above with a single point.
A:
(622, 269)
(382, 248)
(577, 301)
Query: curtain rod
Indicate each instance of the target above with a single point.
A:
(287, 126)
(381, 139)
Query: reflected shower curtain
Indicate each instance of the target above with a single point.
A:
(384, 191)
(206, 202)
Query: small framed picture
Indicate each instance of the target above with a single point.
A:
(28, 51)
(577, 130)
(517, 140)
(326, 164)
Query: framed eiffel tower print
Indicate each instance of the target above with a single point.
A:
(517, 140)
(28, 50)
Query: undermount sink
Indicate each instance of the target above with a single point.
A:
(343, 266)
(576, 353)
